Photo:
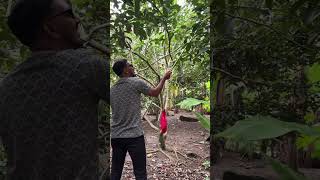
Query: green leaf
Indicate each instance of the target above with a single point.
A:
(309, 117)
(306, 141)
(204, 121)
(139, 31)
(263, 127)
(313, 76)
(206, 164)
(128, 2)
(204, 49)
(190, 102)
(208, 85)
(313, 73)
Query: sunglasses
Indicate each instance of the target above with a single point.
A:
(68, 12)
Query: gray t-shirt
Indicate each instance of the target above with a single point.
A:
(125, 99)
(49, 117)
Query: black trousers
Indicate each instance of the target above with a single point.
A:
(137, 151)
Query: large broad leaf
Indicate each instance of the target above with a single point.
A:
(190, 102)
(204, 121)
(284, 171)
(263, 127)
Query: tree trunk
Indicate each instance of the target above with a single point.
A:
(216, 125)
(292, 160)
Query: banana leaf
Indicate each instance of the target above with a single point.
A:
(264, 127)
(190, 102)
(204, 121)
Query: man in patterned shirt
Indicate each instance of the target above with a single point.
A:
(48, 107)
(126, 127)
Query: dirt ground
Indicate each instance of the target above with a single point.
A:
(190, 152)
(233, 162)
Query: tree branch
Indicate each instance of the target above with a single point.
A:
(150, 123)
(158, 76)
(140, 76)
(254, 8)
(246, 81)
(169, 44)
(141, 70)
(94, 44)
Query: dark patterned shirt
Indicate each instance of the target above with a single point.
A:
(48, 116)
(125, 99)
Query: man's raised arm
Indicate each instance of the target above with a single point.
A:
(157, 90)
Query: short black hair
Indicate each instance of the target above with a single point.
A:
(27, 17)
(119, 65)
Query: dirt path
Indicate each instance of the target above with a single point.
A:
(188, 138)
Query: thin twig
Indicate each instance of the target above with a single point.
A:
(183, 155)
(146, 111)
(246, 81)
(153, 126)
(156, 105)
(140, 76)
(175, 152)
(171, 159)
(169, 45)
(152, 151)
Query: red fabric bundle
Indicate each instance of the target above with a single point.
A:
(163, 122)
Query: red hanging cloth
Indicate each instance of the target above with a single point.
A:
(163, 122)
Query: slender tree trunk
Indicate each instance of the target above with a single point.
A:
(299, 110)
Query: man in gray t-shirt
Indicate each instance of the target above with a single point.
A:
(126, 127)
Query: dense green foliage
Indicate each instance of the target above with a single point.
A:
(265, 61)
(265, 48)
(164, 34)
